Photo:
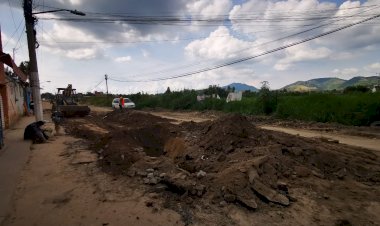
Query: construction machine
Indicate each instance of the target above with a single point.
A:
(66, 102)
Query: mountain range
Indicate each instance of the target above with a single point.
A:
(241, 87)
(320, 84)
(317, 84)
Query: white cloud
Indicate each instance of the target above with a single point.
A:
(123, 59)
(209, 8)
(145, 53)
(301, 53)
(346, 72)
(219, 45)
(82, 53)
(76, 44)
(273, 17)
(375, 67)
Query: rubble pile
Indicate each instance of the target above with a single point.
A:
(223, 162)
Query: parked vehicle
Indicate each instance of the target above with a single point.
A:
(127, 103)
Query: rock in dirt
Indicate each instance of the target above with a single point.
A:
(252, 175)
(341, 173)
(302, 171)
(269, 194)
(229, 197)
(282, 186)
(131, 172)
(201, 174)
(247, 199)
(150, 170)
(84, 157)
(153, 181)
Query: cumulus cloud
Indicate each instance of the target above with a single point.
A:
(220, 44)
(209, 8)
(375, 67)
(346, 72)
(301, 53)
(275, 22)
(81, 46)
(123, 59)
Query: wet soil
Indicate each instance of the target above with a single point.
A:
(230, 172)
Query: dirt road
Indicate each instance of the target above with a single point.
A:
(228, 171)
(134, 168)
(371, 143)
(357, 141)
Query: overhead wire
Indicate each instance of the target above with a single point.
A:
(251, 57)
(96, 86)
(171, 19)
(255, 46)
(11, 10)
(18, 27)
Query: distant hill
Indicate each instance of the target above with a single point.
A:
(331, 83)
(241, 87)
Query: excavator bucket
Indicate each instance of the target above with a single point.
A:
(74, 110)
(66, 103)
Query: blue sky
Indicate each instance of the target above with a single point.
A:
(81, 53)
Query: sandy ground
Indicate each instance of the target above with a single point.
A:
(370, 142)
(63, 188)
(357, 141)
(327, 183)
(63, 185)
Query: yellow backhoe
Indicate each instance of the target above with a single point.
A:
(66, 102)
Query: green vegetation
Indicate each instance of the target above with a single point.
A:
(355, 106)
(349, 109)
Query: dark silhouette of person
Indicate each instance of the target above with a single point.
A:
(35, 133)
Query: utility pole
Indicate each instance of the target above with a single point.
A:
(106, 78)
(34, 77)
(14, 55)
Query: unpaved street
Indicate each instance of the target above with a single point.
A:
(357, 141)
(135, 168)
(371, 143)
(62, 185)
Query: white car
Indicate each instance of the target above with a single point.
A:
(127, 103)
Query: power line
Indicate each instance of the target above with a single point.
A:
(18, 27)
(10, 8)
(251, 12)
(21, 35)
(252, 57)
(200, 21)
(265, 43)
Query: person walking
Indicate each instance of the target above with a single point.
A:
(121, 103)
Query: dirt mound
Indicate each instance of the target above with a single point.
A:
(228, 161)
(133, 118)
(230, 132)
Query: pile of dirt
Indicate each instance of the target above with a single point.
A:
(228, 161)
(133, 118)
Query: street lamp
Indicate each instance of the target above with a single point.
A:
(31, 36)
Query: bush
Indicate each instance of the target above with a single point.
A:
(350, 109)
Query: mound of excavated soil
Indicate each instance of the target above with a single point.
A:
(229, 161)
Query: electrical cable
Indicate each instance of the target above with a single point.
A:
(252, 57)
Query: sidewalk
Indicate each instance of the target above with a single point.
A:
(13, 157)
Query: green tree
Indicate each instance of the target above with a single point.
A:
(168, 91)
(25, 67)
(267, 100)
